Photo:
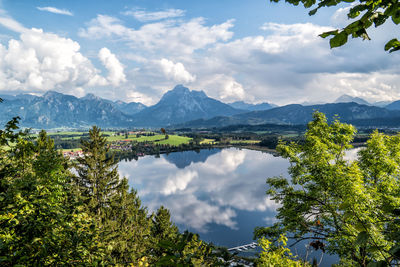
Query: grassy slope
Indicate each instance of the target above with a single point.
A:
(158, 139)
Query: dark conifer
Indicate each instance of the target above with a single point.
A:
(98, 178)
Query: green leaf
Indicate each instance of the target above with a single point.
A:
(362, 238)
(392, 44)
(396, 14)
(380, 19)
(312, 12)
(339, 40)
(326, 34)
(359, 226)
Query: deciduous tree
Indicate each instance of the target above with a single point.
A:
(343, 207)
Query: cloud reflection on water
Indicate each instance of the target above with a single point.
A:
(209, 192)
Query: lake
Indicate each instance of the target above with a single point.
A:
(217, 193)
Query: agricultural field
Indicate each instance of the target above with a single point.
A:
(174, 140)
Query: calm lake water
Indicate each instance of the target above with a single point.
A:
(219, 194)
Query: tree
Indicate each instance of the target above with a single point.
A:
(41, 221)
(162, 227)
(343, 207)
(98, 178)
(123, 224)
(365, 13)
(279, 256)
(129, 227)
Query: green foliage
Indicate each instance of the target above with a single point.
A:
(128, 227)
(48, 216)
(344, 206)
(41, 222)
(187, 250)
(98, 178)
(125, 226)
(364, 13)
(280, 256)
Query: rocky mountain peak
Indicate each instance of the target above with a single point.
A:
(90, 96)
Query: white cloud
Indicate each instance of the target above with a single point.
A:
(226, 87)
(115, 69)
(104, 26)
(285, 63)
(291, 64)
(144, 16)
(168, 36)
(178, 181)
(11, 24)
(223, 163)
(55, 10)
(175, 71)
(133, 96)
(189, 210)
(232, 180)
(41, 61)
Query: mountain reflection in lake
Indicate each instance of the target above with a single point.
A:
(219, 194)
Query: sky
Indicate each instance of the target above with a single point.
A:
(234, 50)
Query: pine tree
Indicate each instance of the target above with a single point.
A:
(163, 228)
(129, 226)
(98, 180)
(123, 223)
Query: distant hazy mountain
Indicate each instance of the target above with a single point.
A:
(312, 103)
(58, 110)
(4, 96)
(129, 108)
(394, 105)
(298, 114)
(180, 105)
(251, 107)
(347, 99)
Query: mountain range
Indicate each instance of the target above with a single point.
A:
(251, 107)
(296, 114)
(180, 107)
(58, 110)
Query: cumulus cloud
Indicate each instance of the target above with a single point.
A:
(224, 87)
(175, 71)
(290, 63)
(168, 36)
(116, 74)
(284, 63)
(145, 16)
(178, 181)
(55, 10)
(41, 61)
(35, 63)
(189, 210)
(225, 162)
